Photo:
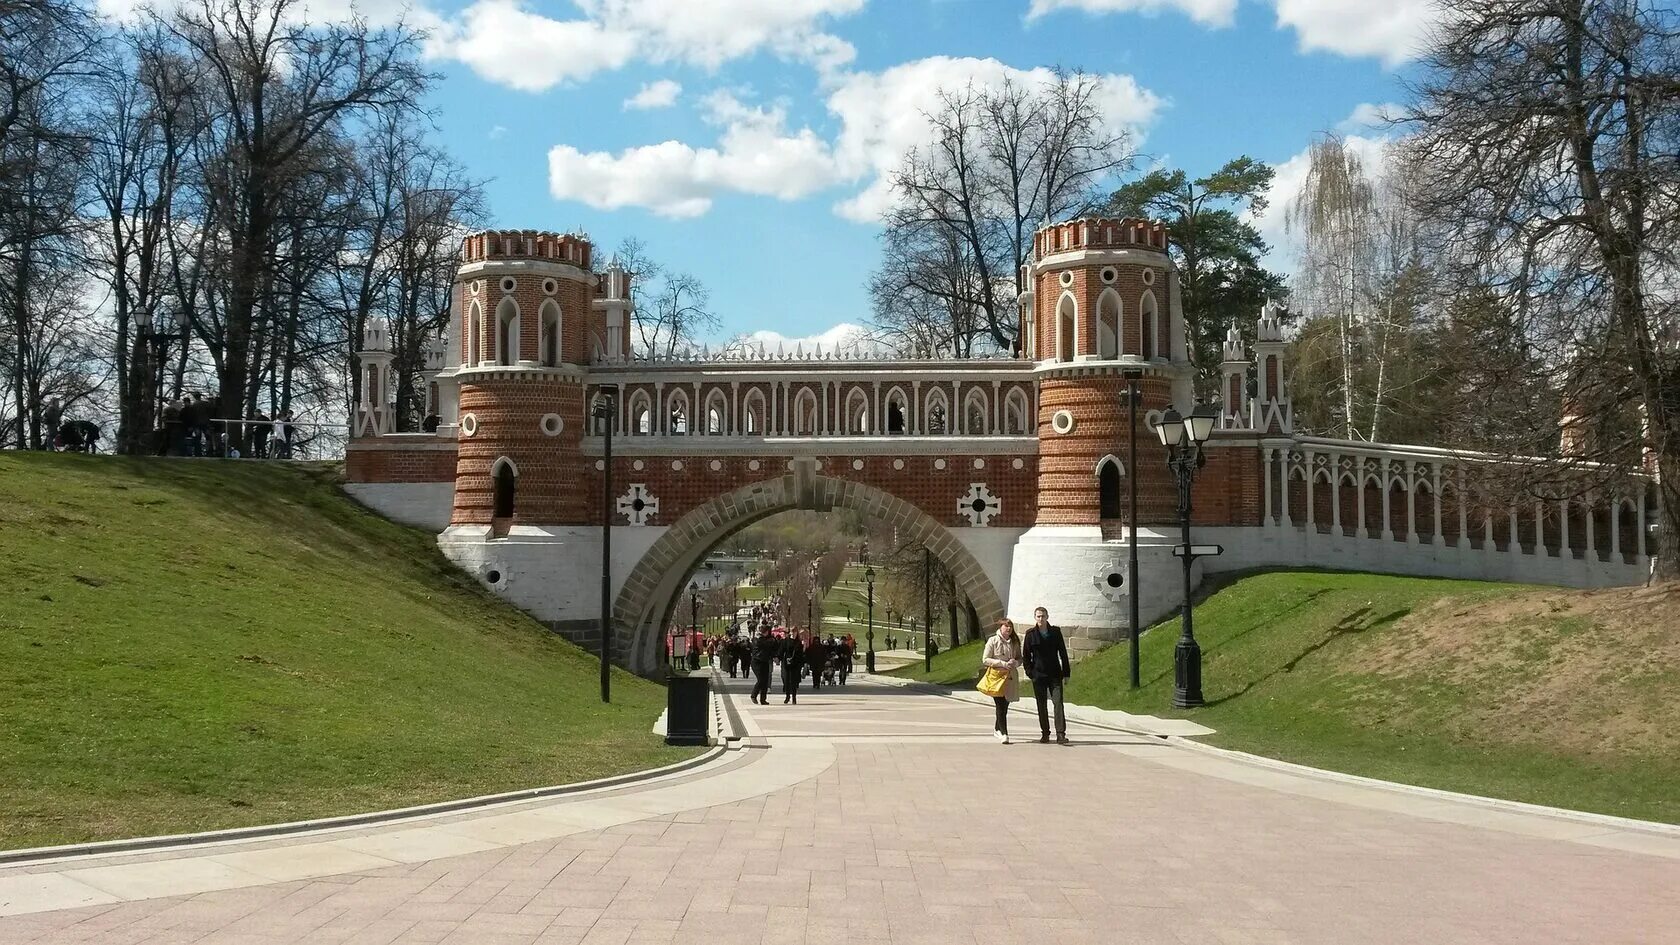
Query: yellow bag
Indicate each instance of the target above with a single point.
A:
(993, 682)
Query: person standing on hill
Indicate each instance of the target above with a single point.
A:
(1046, 658)
(763, 653)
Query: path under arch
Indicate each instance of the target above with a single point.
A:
(650, 593)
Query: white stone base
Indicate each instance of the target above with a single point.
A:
(552, 572)
(420, 504)
(1064, 569)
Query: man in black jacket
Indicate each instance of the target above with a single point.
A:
(765, 648)
(1045, 657)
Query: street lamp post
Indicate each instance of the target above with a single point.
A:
(605, 412)
(927, 610)
(811, 602)
(1183, 437)
(869, 581)
(693, 621)
(1132, 375)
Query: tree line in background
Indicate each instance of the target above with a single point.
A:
(216, 198)
(1508, 280)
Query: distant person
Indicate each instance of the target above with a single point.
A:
(1044, 654)
(1003, 653)
(52, 417)
(429, 424)
(793, 666)
(261, 426)
(78, 436)
(763, 653)
(281, 436)
(203, 443)
(190, 444)
(174, 436)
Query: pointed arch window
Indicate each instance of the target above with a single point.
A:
(857, 412)
(1015, 413)
(752, 415)
(641, 414)
(475, 325)
(507, 332)
(1108, 488)
(717, 413)
(805, 413)
(676, 413)
(1108, 325)
(549, 338)
(895, 411)
(504, 479)
(974, 414)
(1149, 326)
(1067, 327)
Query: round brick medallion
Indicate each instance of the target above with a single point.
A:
(469, 424)
(551, 424)
(857, 464)
(550, 286)
(939, 464)
(1018, 463)
(600, 465)
(1067, 278)
(716, 465)
(1108, 275)
(898, 464)
(1149, 277)
(1062, 421)
(979, 463)
(753, 465)
(676, 465)
(509, 284)
(638, 465)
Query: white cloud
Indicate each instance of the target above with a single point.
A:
(880, 116)
(661, 94)
(504, 43)
(1391, 29)
(712, 33)
(1210, 12)
(1371, 117)
(845, 336)
(498, 132)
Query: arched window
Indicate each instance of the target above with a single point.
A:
(641, 414)
(1015, 413)
(676, 413)
(974, 414)
(895, 411)
(1108, 488)
(717, 413)
(936, 413)
(753, 414)
(507, 331)
(475, 324)
(1149, 326)
(805, 413)
(549, 339)
(504, 477)
(1067, 327)
(857, 411)
(1108, 325)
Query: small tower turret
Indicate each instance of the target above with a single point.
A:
(612, 314)
(374, 409)
(1233, 383)
(1272, 411)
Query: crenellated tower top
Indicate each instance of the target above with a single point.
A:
(1100, 233)
(526, 244)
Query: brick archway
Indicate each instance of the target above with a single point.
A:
(650, 594)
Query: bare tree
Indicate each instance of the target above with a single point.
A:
(1547, 131)
(1001, 163)
(672, 310)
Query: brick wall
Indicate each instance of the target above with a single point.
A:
(1068, 488)
(508, 415)
(379, 459)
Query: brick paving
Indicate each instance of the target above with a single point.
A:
(922, 832)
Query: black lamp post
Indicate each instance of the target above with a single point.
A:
(1183, 437)
(605, 414)
(1132, 375)
(811, 602)
(693, 622)
(869, 635)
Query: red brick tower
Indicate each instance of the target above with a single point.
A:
(526, 319)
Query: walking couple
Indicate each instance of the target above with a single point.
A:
(1044, 654)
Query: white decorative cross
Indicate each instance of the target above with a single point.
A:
(979, 505)
(638, 505)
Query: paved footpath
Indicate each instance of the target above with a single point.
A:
(881, 814)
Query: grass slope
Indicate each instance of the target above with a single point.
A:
(1535, 694)
(188, 645)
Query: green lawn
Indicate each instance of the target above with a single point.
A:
(1544, 695)
(750, 593)
(187, 645)
(958, 668)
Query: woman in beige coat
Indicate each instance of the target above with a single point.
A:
(1003, 651)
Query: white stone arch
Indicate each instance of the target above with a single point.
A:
(1067, 328)
(507, 332)
(679, 413)
(1109, 312)
(549, 350)
(975, 413)
(717, 413)
(930, 419)
(1015, 413)
(655, 587)
(1149, 326)
(1109, 473)
(474, 347)
(753, 414)
(805, 412)
(641, 414)
(857, 419)
(504, 487)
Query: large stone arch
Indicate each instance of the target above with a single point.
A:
(650, 593)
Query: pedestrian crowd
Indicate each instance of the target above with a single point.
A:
(190, 428)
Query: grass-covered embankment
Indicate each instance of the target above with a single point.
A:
(187, 645)
(1544, 695)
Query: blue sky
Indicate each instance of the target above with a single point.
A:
(771, 119)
